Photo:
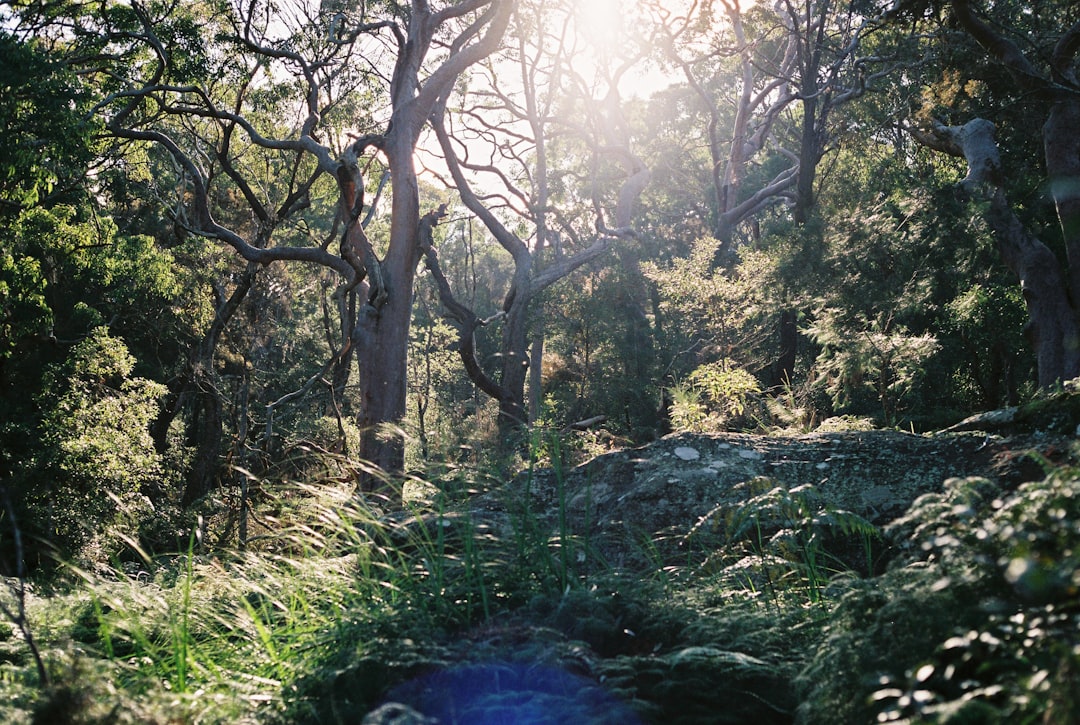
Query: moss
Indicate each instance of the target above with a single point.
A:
(1058, 413)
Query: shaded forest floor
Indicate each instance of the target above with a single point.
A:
(850, 577)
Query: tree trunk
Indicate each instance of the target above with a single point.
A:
(339, 378)
(1052, 322)
(1061, 144)
(515, 362)
(1053, 325)
(536, 375)
(782, 371)
(382, 355)
(382, 331)
(197, 387)
(809, 156)
(1050, 293)
(206, 433)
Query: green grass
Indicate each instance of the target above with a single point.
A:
(244, 630)
(336, 601)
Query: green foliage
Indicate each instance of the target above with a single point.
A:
(723, 313)
(97, 455)
(23, 309)
(785, 541)
(688, 412)
(336, 584)
(714, 396)
(445, 411)
(86, 273)
(986, 323)
(976, 622)
(869, 362)
(47, 132)
(340, 602)
(84, 420)
(907, 311)
(599, 355)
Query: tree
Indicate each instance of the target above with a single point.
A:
(47, 136)
(770, 81)
(1048, 76)
(554, 245)
(203, 109)
(752, 67)
(98, 458)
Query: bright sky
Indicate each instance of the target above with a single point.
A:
(608, 29)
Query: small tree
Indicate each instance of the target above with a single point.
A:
(869, 361)
(98, 455)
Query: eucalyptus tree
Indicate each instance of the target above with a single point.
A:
(741, 107)
(769, 78)
(351, 87)
(497, 143)
(1041, 53)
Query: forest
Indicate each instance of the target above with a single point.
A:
(336, 337)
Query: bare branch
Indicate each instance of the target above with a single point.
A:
(467, 320)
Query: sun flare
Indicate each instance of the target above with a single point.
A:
(607, 35)
(599, 23)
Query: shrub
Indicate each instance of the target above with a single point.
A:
(714, 397)
(977, 621)
(97, 454)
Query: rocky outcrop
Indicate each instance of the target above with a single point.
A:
(644, 506)
(677, 577)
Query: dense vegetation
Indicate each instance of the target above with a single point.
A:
(284, 288)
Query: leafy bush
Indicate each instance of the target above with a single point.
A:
(97, 451)
(986, 324)
(714, 397)
(977, 621)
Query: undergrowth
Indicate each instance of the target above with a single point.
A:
(339, 604)
(976, 621)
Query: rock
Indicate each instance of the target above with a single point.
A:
(990, 420)
(638, 508)
(685, 453)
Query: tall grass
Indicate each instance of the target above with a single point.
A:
(236, 632)
(329, 580)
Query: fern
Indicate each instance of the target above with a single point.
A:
(794, 526)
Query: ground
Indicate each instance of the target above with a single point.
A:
(719, 526)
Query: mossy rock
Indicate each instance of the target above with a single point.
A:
(666, 504)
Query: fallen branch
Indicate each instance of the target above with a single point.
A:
(585, 424)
